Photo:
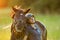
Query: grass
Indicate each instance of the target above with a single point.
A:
(52, 23)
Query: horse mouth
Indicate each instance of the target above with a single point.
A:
(19, 29)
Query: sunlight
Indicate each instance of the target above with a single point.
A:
(3, 3)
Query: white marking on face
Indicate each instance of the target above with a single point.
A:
(21, 14)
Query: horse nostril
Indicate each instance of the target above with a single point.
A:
(19, 21)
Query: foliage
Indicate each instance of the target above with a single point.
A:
(43, 6)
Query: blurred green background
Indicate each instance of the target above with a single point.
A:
(46, 11)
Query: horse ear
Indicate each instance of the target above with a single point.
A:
(14, 9)
(27, 11)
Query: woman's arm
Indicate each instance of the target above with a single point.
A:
(25, 37)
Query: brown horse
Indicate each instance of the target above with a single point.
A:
(19, 24)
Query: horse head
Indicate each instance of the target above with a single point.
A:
(19, 18)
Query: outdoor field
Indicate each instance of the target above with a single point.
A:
(52, 23)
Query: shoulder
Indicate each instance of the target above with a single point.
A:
(41, 25)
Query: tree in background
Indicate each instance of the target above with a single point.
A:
(38, 5)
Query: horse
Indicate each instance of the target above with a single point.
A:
(19, 24)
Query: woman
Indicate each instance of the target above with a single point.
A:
(34, 30)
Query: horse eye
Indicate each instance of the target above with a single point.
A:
(21, 21)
